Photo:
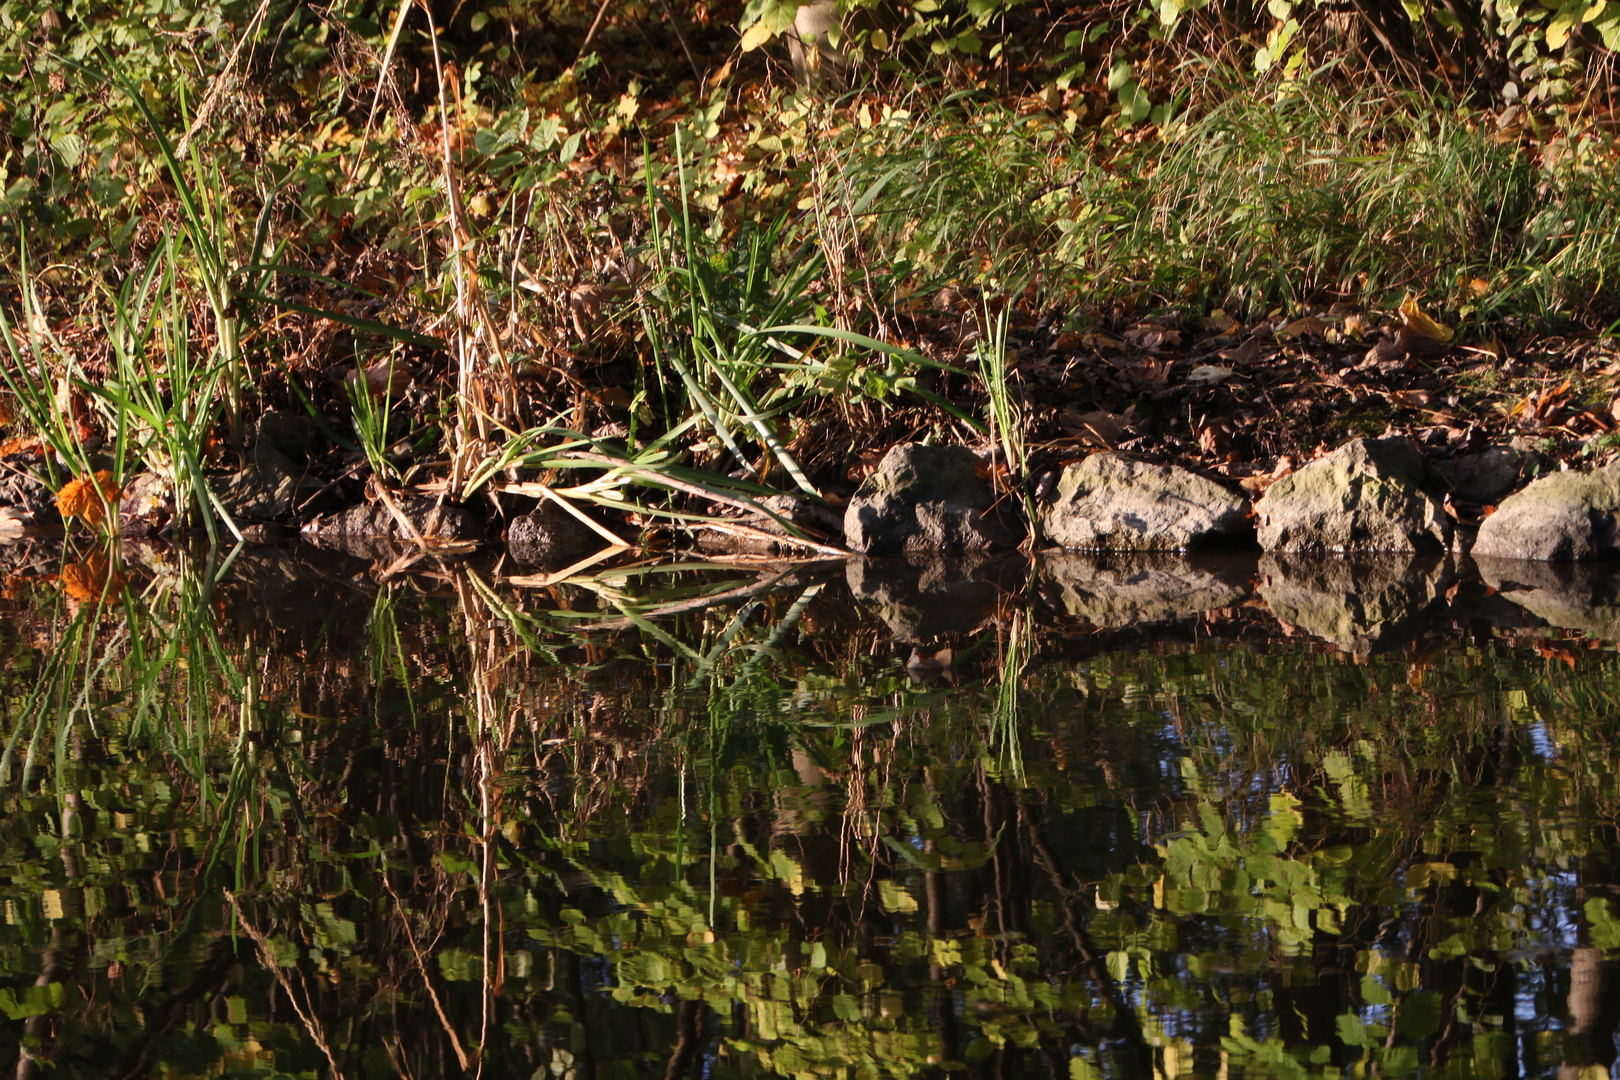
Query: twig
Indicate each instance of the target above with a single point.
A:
(590, 35)
(207, 108)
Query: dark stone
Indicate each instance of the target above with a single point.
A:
(926, 499)
(369, 530)
(549, 536)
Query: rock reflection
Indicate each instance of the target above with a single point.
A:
(922, 597)
(1570, 596)
(1115, 591)
(1359, 605)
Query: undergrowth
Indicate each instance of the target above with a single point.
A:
(661, 314)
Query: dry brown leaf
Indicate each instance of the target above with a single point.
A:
(585, 303)
(22, 444)
(1214, 436)
(1417, 324)
(79, 497)
(1410, 399)
(1299, 328)
(1096, 427)
(1153, 337)
(90, 579)
(1246, 353)
(382, 380)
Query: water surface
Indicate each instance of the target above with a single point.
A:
(280, 818)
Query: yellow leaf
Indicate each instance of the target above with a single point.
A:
(80, 498)
(755, 36)
(1420, 324)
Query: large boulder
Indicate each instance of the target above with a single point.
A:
(1110, 502)
(925, 499)
(1565, 517)
(1366, 496)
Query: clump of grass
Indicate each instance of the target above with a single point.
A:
(1265, 196)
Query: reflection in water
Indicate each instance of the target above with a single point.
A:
(281, 818)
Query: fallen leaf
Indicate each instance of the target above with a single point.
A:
(1479, 287)
(382, 380)
(22, 444)
(1209, 375)
(1096, 427)
(1152, 337)
(1410, 399)
(1299, 328)
(1414, 322)
(1214, 436)
(79, 497)
(1246, 353)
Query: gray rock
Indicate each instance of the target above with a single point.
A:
(550, 536)
(1564, 517)
(1109, 502)
(925, 498)
(1488, 476)
(922, 597)
(369, 530)
(1572, 596)
(268, 488)
(1360, 605)
(1366, 496)
(1116, 593)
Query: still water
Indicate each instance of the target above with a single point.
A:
(276, 818)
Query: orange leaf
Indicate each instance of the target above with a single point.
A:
(87, 499)
(22, 444)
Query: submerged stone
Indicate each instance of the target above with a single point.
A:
(550, 536)
(1366, 496)
(370, 530)
(1110, 502)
